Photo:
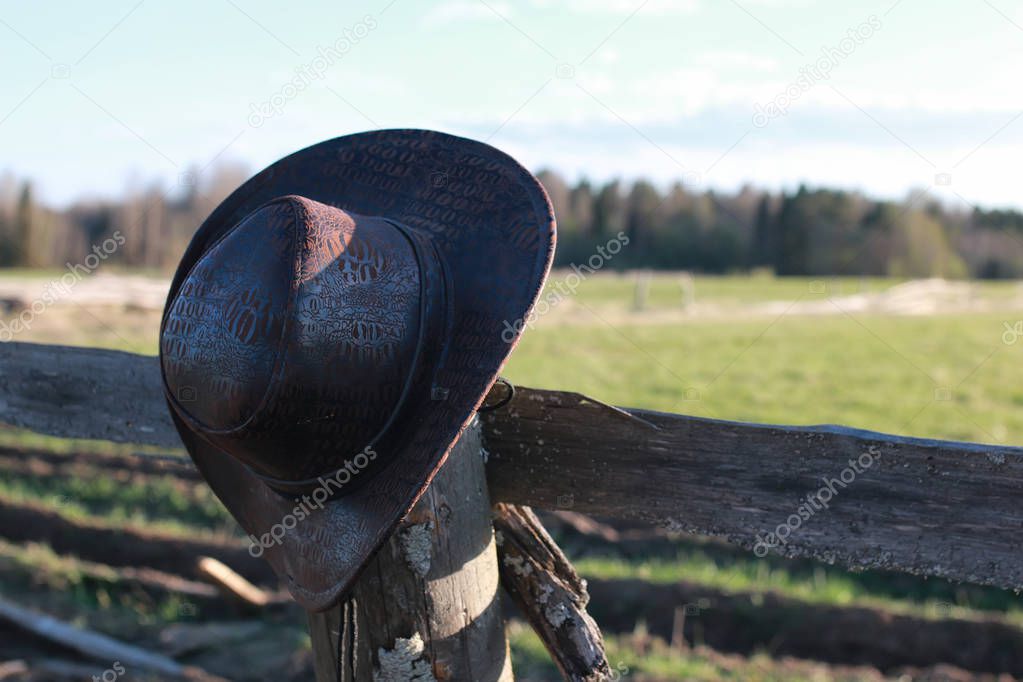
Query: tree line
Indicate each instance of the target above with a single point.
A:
(807, 231)
(154, 223)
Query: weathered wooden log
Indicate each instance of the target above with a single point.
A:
(84, 393)
(862, 499)
(182, 639)
(96, 646)
(426, 607)
(552, 596)
(230, 583)
(930, 507)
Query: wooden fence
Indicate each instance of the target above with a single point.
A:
(845, 496)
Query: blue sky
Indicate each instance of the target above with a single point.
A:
(924, 95)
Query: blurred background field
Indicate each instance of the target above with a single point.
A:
(931, 358)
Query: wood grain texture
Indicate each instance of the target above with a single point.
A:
(84, 393)
(96, 646)
(548, 591)
(426, 607)
(930, 507)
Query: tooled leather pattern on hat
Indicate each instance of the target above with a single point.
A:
(338, 366)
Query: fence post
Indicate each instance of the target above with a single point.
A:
(427, 606)
(642, 290)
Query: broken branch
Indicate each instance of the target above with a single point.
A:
(553, 597)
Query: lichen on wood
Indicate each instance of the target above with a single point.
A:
(404, 662)
(416, 544)
(552, 596)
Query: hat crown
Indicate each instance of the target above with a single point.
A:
(290, 341)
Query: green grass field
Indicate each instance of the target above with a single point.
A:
(946, 376)
(940, 376)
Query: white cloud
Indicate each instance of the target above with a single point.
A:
(738, 59)
(464, 11)
(608, 56)
(460, 11)
(625, 7)
(773, 4)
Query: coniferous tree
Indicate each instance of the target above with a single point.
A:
(21, 232)
(762, 246)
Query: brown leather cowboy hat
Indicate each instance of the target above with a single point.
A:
(334, 325)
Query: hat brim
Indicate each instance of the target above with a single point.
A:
(494, 226)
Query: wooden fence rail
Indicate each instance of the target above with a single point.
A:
(856, 498)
